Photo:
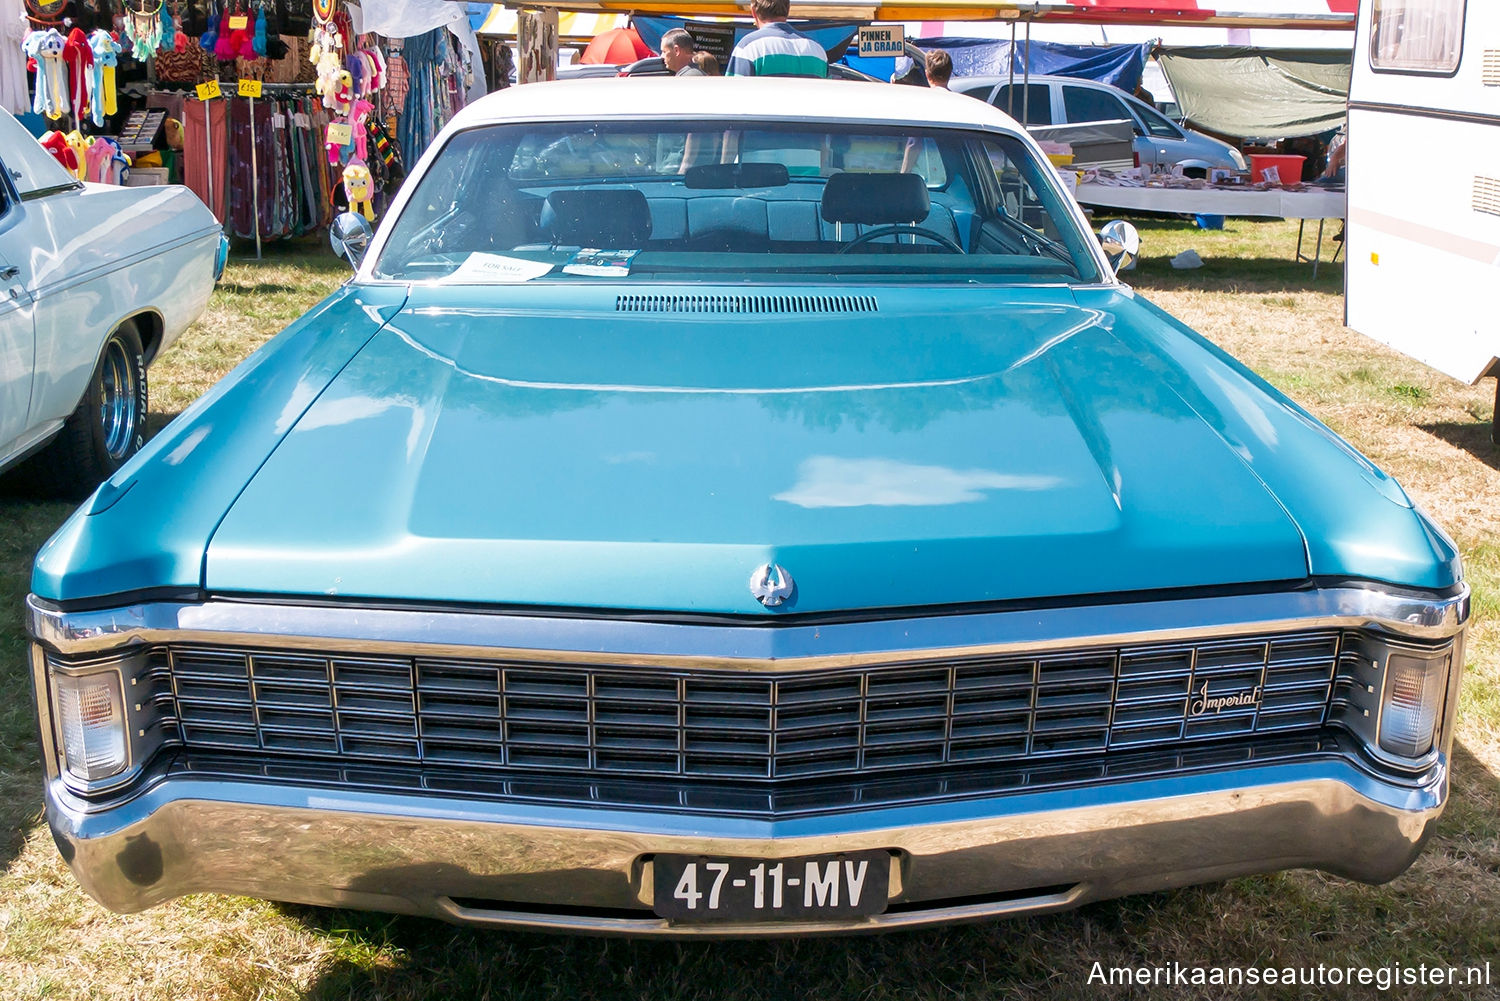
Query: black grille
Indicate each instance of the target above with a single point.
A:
(734, 303)
(745, 726)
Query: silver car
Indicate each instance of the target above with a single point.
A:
(1061, 100)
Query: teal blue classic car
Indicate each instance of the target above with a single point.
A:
(744, 507)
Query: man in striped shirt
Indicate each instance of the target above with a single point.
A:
(775, 48)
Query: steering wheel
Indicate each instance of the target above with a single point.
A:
(901, 227)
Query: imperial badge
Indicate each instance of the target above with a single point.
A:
(771, 584)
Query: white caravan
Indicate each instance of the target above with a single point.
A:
(1423, 236)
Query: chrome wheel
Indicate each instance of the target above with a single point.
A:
(118, 400)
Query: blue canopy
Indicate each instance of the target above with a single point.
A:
(834, 36)
(1120, 65)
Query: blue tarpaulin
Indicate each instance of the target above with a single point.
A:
(834, 36)
(1120, 65)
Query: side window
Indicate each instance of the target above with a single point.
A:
(1156, 123)
(1033, 101)
(1416, 36)
(1085, 104)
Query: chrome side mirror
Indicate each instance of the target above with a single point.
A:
(350, 236)
(1121, 243)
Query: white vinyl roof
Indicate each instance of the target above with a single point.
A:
(729, 98)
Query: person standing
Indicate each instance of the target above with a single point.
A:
(939, 69)
(775, 48)
(677, 50)
(705, 61)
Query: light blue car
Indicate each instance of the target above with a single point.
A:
(710, 509)
(1043, 101)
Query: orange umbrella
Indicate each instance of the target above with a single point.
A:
(615, 46)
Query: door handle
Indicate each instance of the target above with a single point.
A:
(8, 271)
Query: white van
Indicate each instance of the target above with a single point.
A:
(1423, 238)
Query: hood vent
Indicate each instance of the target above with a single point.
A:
(746, 304)
(1487, 195)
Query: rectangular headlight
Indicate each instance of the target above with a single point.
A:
(1412, 702)
(91, 721)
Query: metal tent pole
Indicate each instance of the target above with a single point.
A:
(208, 156)
(254, 180)
(1010, 89)
(1026, 78)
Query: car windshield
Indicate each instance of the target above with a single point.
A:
(769, 202)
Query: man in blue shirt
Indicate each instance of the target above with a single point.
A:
(775, 48)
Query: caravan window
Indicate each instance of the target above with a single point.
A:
(1416, 36)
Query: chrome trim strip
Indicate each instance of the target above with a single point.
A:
(654, 926)
(748, 647)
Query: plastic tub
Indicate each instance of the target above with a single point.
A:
(1288, 167)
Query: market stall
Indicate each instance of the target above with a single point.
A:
(276, 114)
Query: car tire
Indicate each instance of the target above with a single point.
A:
(108, 427)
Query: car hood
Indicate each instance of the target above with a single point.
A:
(556, 452)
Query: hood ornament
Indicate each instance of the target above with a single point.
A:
(771, 584)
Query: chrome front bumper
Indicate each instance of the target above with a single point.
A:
(588, 870)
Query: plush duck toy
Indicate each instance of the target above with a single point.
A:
(80, 147)
(46, 47)
(360, 188)
(102, 83)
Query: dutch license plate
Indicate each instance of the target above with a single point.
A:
(711, 888)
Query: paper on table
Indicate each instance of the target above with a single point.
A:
(482, 268)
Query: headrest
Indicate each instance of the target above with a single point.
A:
(875, 199)
(607, 218)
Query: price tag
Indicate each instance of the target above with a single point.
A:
(239, 22)
(249, 88)
(339, 134)
(302, 120)
(278, 121)
(209, 91)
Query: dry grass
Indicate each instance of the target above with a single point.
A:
(1429, 431)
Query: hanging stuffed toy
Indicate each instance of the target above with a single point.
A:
(260, 32)
(227, 47)
(168, 28)
(337, 91)
(179, 37)
(79, 59)
(210, 37)
(360, 188)
(54, 143)
(46, 47)
(340, 152)
(102, 81)
(359, 113)
(143, 28)
(80, 147)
